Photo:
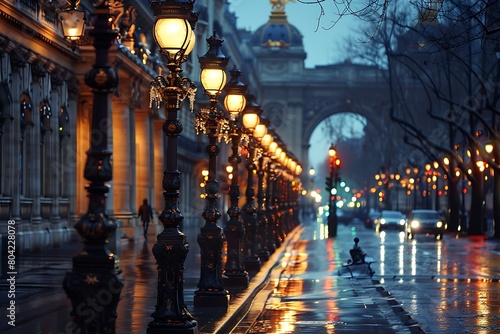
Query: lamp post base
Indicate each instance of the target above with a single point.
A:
(236, 280)
(94, 288)
(187, 327)
(264, 256)
(253, 264)
(212, 299)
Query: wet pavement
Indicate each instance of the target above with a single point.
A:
(303, 288)
(313, 291)
(303, 276)
(449, 286)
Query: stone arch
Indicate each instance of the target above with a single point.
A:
(323, 110)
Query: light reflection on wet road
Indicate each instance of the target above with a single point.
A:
(447, 286)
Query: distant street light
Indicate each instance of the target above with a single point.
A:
(235, 102)
(250, 120)
(211, 291)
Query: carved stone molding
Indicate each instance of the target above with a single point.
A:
(136, 93)
(6, 45)
(18, 58)
(73, 87)
(39, 69)
(37, 35)
(57, 77)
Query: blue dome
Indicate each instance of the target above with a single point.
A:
(277, 32)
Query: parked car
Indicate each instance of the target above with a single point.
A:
(427, 222)
(370, 219)
(390, 220)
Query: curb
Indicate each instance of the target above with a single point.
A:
(398, 309)
(237, 310)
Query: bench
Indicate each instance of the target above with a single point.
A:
(358, 257)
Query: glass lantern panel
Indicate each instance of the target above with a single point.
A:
(213, 80)
(250, 120)
(73, 24)
(234, 103)
(173, 34)
(260, 131)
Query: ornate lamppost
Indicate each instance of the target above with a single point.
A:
(94, 284)
(235, 102)
(269, 230)
(282, 157)
(211, 291)
(250, 120)
(173, 31)
(273, 201)
(259, 133)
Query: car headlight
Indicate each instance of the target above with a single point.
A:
(402, 222)
(439, 224)
(415, 224)
(382, 221)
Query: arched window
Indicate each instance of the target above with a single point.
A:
(45, 115)
(26, 111)
(63, 122)
(5, 100)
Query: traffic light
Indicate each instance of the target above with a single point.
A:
(337, 162)
(329, 184)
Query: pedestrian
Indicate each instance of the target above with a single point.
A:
(146, 213)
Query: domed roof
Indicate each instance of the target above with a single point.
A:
(277, 32)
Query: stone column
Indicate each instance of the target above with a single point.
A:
(159, 162)
(34, 139)
(69, 149)
(13, 134)
(54, 169)
(145, 180)
(82, 115)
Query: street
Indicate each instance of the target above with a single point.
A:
(447, 286)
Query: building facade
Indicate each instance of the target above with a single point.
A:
(46, 109)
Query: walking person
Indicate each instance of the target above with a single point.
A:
(146, 214)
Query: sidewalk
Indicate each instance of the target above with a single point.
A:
(43, 307)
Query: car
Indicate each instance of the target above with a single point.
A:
(390, 220)
(428, 222)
